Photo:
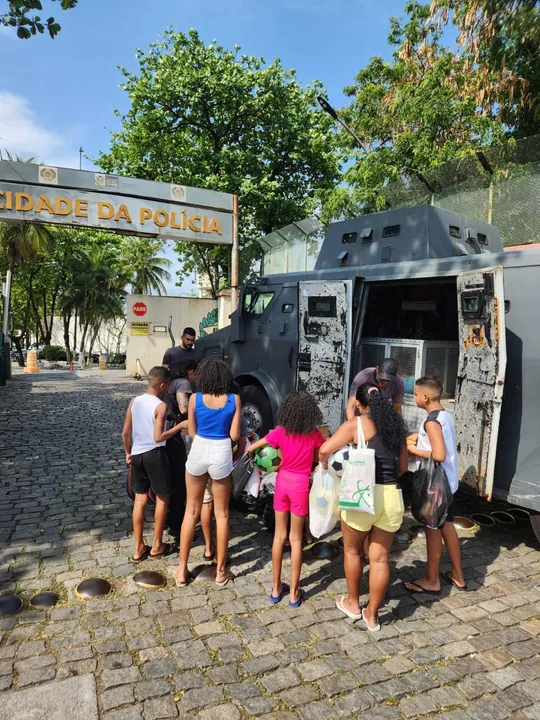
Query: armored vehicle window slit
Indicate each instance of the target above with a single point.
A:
(322, 307)
(455, 231)
(391, 231)
(287, 308)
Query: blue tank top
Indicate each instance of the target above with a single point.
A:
(212, 423)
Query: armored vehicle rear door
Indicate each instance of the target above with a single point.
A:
(481, 371)
(325, 322)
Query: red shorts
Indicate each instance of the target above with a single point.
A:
(292, 493)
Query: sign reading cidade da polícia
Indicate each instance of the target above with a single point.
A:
(37, 193)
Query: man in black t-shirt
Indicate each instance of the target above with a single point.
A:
(175, 358)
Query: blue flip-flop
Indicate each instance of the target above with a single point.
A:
(284, 590)
(299, 601)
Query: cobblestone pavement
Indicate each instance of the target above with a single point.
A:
(225, 654)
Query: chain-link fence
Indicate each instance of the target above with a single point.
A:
(499, 185)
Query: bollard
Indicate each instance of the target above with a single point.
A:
(71, 367)
(31, 362)
(102, 362)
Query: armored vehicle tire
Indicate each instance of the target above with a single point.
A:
(535, 522)
(256, 409)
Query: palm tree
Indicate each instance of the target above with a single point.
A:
(149, 272)
(22, 242)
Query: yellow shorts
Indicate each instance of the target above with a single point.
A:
(388, 515)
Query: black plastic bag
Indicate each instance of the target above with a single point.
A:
(431, 495)
(241, 473)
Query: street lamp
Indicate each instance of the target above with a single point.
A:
(325, 105)
(333, 114)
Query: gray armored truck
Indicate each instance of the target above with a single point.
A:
(429, 288)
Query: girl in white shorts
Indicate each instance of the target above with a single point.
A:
(214, 420)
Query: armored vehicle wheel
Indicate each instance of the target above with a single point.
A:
(256, 409)
(535, 522)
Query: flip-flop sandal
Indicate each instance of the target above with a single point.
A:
(448, 577)
(210, 557)
(168, 549)
(299, 601)
(371, 628)
(348, 613)
(284, 590)
(144, 556)
(416, 588)
(228, 576)
(189, 578)
(227, 561)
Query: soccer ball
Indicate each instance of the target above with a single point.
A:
(268, 459)
(338, 461)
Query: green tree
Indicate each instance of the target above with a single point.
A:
(20, 242)
(209, 117)
(503, 40)
(19, 16)
(149, 271)
(411, 114)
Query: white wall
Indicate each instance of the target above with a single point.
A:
(111, 338)
(185, 312)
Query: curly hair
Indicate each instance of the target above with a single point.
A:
(214, 377)
(388, 422)
(299, 414)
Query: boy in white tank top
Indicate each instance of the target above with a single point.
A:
(437, 438)
(144, 438)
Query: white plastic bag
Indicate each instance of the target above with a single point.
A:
(357, 490)
(252, 486)
(323, 502)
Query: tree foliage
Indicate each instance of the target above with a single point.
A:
(431, 104)
(149, 272)
(19, 16)
(502, 40)
(205, 116)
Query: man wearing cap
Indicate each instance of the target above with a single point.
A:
(385, 377)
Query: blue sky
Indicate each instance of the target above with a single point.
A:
(58, 95)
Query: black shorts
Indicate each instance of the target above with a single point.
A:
(151, 470)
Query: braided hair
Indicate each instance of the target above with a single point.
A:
(388, 422)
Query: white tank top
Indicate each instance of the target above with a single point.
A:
(450, 465)
(143, 416)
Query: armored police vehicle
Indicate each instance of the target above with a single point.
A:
(429, 288)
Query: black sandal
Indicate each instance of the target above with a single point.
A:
(448, 577)
(144, 556)
(168, 549)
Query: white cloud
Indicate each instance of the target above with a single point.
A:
(22, 134)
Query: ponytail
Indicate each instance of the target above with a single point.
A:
(388, 422)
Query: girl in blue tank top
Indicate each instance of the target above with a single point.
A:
(213, 421)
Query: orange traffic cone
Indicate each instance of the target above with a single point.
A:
(31, 362)
(102, 362)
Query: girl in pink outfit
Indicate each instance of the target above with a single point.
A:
(298, 437)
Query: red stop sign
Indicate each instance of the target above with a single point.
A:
(139, 308)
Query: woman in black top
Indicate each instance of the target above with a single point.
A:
(384, 432)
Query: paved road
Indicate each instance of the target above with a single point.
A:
(225, 654)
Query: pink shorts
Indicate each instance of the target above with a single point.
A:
(292, 493)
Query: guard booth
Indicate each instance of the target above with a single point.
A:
(80, 198)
